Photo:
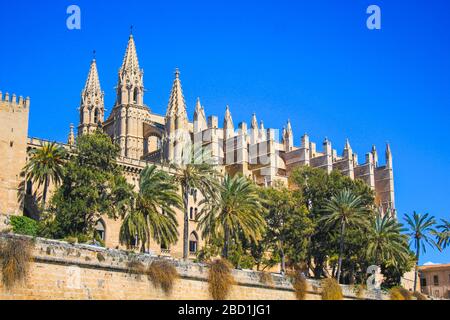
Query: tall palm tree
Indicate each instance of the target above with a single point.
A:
(345, 209)
(196, 175)
(237, 209)
(443, 236)
(45, 166)
(152, 216)
(420, 229)
(386, 241)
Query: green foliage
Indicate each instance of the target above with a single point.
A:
(92, 186)
(45, 166)
(360, 290)
(199, 175)
(15, 258)
(443, 236)
(220, 279)
(387, 244)
(235, 213)
(331, 290)
(153, 213)
(420, 230)
(288, 227)
(315, 187)
(24, 226)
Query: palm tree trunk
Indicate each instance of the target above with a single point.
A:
(186, 223)
(44, 193)
(341, 252)
(416, 271)
(283, 258)
(226, 243)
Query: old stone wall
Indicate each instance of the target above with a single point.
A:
(78, 272)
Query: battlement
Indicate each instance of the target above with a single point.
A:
(13, 101)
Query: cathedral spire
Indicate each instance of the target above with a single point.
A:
(200, 123)
(228, 124)
(130, 87)
(388, 155)
(92, 107)
(92, 85)
(130, 60)
(71, 139)
(177, 105)
(288, 137)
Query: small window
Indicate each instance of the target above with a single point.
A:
(29, 187)
(11, 144)
(436, 280)
(191, 214)
(193, 243)
(196, 214)
(423, 282)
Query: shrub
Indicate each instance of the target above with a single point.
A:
(163, 275)
(220, 279)
(395, 294)
(266, 278)
(24, 226)
(15, 258)
(419, 296)
(331, 290)
(300, 286)
(360, 291)
(135, 267)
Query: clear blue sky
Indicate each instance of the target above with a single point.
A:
(314, 62)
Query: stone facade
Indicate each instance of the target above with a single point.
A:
(146, 138)
(61, 271)
(435, 280)
(13, 150)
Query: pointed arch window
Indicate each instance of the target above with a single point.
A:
(136, 95)
(100, 230)
(96, 116)
(193, 243)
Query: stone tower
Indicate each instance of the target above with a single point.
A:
(177, 136)
(129, 112)
(92, 107)
(13, 150)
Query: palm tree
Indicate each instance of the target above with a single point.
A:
(386, 241)
(420, 229)
(346, 210)
(197, 175)
(152, 215)
(236, 210)
(443, 236)
(45, 166)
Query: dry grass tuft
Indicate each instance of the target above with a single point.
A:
(419, 296)
(135, 267)
(220, 279)
(331, 290)
(163, 275)
(360, 291)
(266, 279)
(300, 286)
(400, 293)
(15, 258)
